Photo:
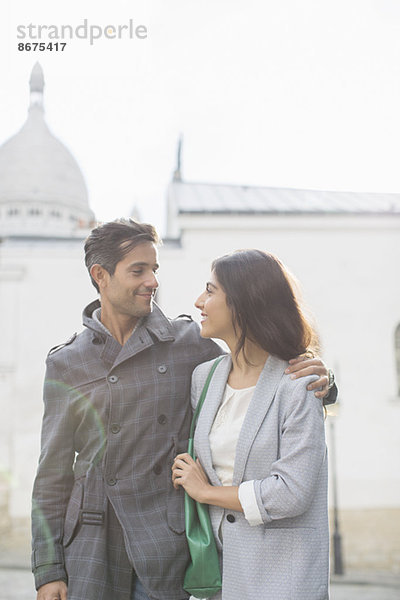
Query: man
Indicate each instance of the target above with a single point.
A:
(107, 522)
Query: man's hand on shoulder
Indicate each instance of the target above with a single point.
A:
(305, 365)
(55, 590)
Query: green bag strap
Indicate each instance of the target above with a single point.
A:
(203, 395)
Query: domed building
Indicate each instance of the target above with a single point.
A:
(42, 189)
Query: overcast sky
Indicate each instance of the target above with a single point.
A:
(290, 93)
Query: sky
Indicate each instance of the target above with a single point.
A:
(295, 93)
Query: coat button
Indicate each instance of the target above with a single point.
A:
(162, 369)
(113, 379)
(111, 481)
(115, 428)
(230, 518)
(157, 469)
(97, 341)
(162, 419)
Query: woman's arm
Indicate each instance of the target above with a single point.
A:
(191, 476)
(295, 475)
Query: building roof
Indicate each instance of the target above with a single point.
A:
(204, 198)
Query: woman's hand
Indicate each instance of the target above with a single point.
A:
(191, 476)
(305, 365)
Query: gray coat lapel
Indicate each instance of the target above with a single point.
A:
(207, 416)
(264, 394)
(153, 328)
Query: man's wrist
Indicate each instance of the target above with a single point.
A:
(331, 379)
(49, 573)
(331, 396)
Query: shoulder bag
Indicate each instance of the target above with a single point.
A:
(203, 575)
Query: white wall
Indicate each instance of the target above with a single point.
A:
(43, 289)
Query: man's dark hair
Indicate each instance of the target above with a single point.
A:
(261, 295)
(108, 243)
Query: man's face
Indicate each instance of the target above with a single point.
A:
(130, 290)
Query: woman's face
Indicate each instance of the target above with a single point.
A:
(216, 316)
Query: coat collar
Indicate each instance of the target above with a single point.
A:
(263, 396)
(156, 327)
(156, 322)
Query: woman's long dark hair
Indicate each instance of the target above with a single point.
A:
(261, 294)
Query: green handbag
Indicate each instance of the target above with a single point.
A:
(203, 575)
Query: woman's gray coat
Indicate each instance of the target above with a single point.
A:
(282, 448)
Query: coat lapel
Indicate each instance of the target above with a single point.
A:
(153, 328)
(207, 416)
(264, 394)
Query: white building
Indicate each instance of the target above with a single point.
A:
(44, 217)
(343, 247)
(345, 250)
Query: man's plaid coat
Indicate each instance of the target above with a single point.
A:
(115, 417)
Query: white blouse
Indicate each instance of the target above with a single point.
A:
(223, 439)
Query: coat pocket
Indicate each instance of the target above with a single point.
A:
(175, 508)
(72, 516)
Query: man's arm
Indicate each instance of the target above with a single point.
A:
(303, 365)
(53, 483)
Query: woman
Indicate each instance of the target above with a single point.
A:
(260, 442)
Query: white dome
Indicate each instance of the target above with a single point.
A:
(39, 177)
(36, 165)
